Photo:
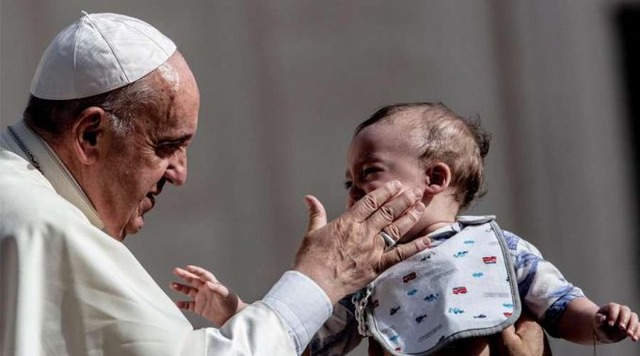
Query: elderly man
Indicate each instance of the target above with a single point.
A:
(112, 110)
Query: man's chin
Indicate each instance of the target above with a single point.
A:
(134, 225)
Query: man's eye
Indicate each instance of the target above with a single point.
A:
(167, 149)
(348, 184)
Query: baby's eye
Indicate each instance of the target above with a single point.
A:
(348, 184)
(370, 170)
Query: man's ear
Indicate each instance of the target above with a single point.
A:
(88, 134)
(438, 178)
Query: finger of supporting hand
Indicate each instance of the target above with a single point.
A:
(404, 223)
(371, 202)
(395, 209)
(402, 252)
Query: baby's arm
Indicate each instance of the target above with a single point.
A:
(210, 298)
(583, 321)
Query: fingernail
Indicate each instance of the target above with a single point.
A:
(417, 192)
(397, 184)
(420, 207)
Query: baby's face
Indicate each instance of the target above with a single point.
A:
(378, 154)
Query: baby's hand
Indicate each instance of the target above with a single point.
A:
(210, 298)
(614, 322)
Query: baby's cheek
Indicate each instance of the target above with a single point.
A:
(371, 186)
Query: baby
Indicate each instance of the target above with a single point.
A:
(490, 274)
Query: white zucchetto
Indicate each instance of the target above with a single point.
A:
(99, 53)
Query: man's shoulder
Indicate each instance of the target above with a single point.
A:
(28, 200)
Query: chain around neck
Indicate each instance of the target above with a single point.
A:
(24, 149)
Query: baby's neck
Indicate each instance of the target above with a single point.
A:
(439, 213)
(427, 227)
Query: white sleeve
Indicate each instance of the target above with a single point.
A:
(302, 305)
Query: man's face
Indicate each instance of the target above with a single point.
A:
(137, 165)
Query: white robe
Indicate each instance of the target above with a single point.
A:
(67, 288)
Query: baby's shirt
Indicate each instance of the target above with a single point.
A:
(541, 286)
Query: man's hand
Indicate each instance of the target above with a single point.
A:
(346, 254)
(524, 338)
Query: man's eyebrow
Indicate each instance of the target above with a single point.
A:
(182, 138)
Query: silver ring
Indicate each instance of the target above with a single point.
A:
(388, 240)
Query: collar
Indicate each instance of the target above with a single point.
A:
(54, 171)
(445, 232)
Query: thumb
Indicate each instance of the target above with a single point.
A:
(317, 214)
(510, 335)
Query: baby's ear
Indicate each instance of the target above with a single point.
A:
(438, 178)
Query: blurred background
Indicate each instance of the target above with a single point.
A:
(284, 83)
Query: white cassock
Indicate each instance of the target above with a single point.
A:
(67, 288)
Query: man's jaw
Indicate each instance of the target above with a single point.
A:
(136, 222)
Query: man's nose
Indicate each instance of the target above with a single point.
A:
(176, 172)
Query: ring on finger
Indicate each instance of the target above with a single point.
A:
(388, 240)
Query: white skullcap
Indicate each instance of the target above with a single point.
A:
(99, 53)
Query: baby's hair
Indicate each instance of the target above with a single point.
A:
(443, 136)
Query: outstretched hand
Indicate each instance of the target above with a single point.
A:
(210, 298)
(614, 322)
(346, 254)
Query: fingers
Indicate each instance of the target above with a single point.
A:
(403, 251)
(371, 202)
(188, 277)
(218, 289)
(402, 225)
(317, 214)
(633, 329)
(509, 335)
(202, 273)
(391, 216)
(620, 316)
(186, 305)
(627, 321)
(184, 289)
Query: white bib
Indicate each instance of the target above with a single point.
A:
(460, 287)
